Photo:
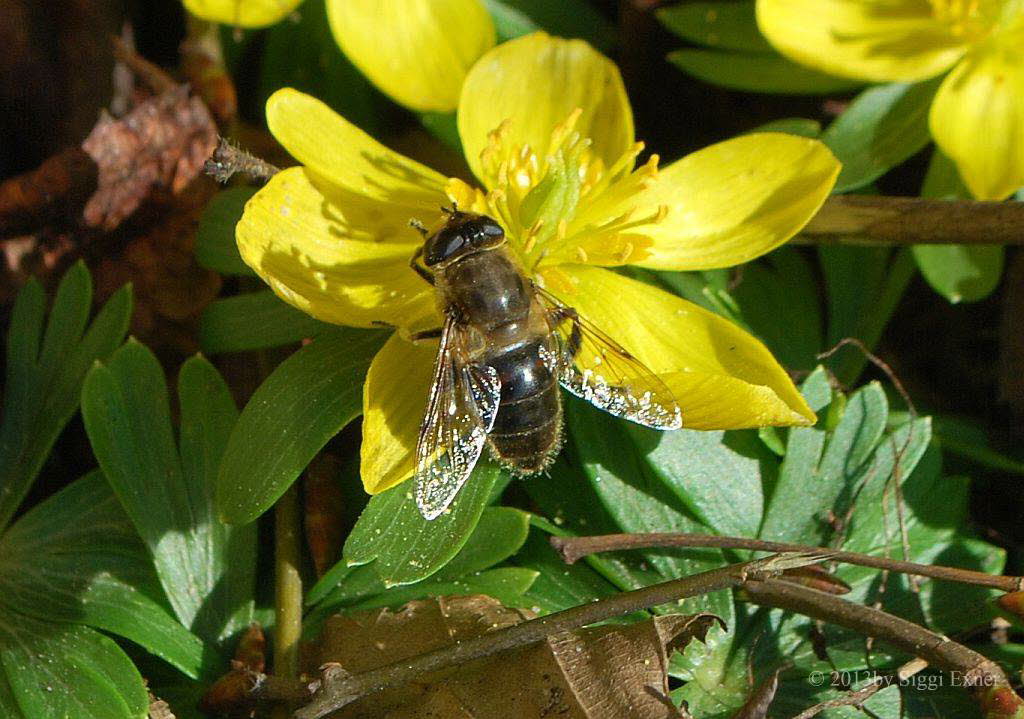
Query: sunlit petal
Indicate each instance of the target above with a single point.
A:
(341, 153)
(977, 118)
(417, 51)
(535, 82)
(394, 401)
(724, 204)
(877, 40)
(722, 377)
(242, 13)
(334, 255)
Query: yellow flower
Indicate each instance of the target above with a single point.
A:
(977, 116)
(416, 51)
(548, 130)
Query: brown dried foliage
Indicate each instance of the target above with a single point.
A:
(603, 672)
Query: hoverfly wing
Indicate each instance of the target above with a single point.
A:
(592, 365)
(460, 412)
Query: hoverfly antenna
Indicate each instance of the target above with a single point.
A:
(419, 226)
(451, 211)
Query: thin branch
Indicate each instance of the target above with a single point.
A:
(338, 688)
(972, 670)
(885, 221)
(573, 548)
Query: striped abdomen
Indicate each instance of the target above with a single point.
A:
(527, 431)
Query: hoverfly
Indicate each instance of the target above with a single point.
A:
(505, 347)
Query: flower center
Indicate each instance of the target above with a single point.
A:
(969, 19)
(563, 204)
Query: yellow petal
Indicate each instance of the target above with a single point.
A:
(877, 40)
(536, 82)
(242, 13)
(729, 202)
(977, 118)
(722, 377)
(394, 401)
(341, 153)
(334, 255)
(417, 51)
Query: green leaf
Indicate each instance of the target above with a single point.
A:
(442, 126)
(558, 585)
(304, 55)
(205, 568)
(76, 558)
(506, 584)
(820, 465)
(500, 532)
(45, 371)
(257, 320)
(215, 247)
(778, 299)
(567, 18)
(882, 127)
(799, 126)
(407, 548)
(305, 401)
(638, 499)
(69, 672)
(864, 286)
(723, 25)
(757, 73)
(208, 415)
(960, 273)
(715, 474)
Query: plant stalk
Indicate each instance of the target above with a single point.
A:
(288, 588)
(886, 221)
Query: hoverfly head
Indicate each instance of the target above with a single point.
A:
(464, 233)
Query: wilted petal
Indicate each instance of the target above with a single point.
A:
(536, 82)
(722, 377)
(417, 51)
(332, 254)
(394, 402)
(877, 40)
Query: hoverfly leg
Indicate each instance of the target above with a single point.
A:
(431, 334)
(421, 271)
(575, 338)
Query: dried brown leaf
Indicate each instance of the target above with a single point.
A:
(161, 144)
(603, 672)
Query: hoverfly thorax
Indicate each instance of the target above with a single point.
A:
(464, 233)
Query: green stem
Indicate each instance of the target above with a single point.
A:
(288, 585)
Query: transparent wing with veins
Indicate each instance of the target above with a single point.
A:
(592, 365)
(460, 412)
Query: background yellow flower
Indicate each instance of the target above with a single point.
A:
(416, 51)
(548, 130)
(977, 116)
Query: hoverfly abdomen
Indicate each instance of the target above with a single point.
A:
(527, 430)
